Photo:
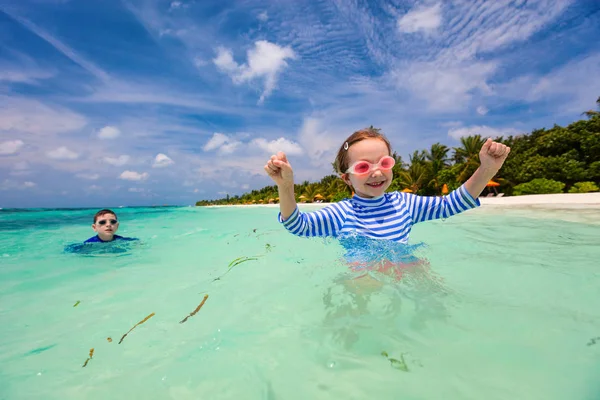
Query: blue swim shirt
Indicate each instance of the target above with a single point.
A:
(96, 239)
(390, 216)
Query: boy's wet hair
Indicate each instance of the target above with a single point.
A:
(341, 160)
(103, 212)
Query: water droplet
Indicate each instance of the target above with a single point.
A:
(39, 373)
(331, 364)
(164, 377)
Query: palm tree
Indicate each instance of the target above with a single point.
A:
(414, 177)
(438, 160)
(592, 113)
(468, 155)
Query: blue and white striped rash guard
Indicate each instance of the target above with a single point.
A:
(390, 216)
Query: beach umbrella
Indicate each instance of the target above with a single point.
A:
(494, 185)
(318, 197)
(445, 189)
(407, 190)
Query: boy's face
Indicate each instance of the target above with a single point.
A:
(106, 226)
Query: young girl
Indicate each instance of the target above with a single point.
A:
(364, 162)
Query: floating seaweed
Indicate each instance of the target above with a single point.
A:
(398, 364)
(593, 341)
(89, 358)
(196, 310)
(268, 247)
(76, 304)
(139, 323)
(109, 339)
(235, 262)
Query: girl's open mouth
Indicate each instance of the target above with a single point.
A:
(376, 184)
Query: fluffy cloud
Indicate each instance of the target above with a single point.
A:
(263, 16)
(88, 176)
(484, 131)
(222, 143)
(136, 190)
(481, 110)
(117, 161)
(280, 144)
(265, 61)
(422, 18)
(133, 176)
(162, 160)
(62, 153)
(109, 132)
(10, 147)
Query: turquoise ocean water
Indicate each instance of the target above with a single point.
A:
(506, 306)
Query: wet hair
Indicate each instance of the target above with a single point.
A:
(103, 212)
(342, 159)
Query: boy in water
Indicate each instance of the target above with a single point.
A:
(106, 225)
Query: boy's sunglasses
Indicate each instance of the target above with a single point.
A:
(104, 221)
(365, 167)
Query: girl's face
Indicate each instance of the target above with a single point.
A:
(376, 182)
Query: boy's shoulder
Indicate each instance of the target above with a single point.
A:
(96, 239)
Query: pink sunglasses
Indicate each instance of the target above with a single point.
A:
(365, 167)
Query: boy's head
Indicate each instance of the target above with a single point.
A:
(105, 224)
(364, 162)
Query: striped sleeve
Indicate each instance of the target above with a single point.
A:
(324, 222)
(427, 208)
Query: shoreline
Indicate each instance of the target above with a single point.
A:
(561, 200)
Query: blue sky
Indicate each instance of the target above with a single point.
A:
(109, 103)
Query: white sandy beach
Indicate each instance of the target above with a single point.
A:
(562, 200)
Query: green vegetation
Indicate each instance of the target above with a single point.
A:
(556, 160)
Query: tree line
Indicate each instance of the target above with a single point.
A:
(556, 160)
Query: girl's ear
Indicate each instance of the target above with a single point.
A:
(346, 179)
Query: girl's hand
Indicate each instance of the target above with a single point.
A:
(280, 170)
(493, 155)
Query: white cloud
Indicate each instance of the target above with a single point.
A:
(422, 18)
(319, 143)
(94, 187)
(199, 62)
(482, 110)
(175, 5)
(31, 116)
(483, 131)
(136, 190)
(133, 176)
(109, 132)
(265, 61)
(222, 142)
(10, 147)
(10, 73)
(162, 160)
(11, 185)
(117, 161)
(280, 144)
(88, 176)
(245, 186)
(263, 16)
(62, 153)
(446, 87)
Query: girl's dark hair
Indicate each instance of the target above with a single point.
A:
(341, 160)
